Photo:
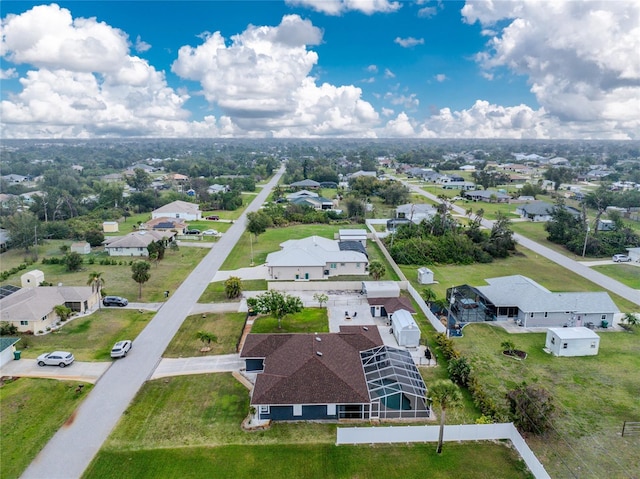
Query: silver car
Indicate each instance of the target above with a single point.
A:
(56, 358)
(620, 258)
(121, 348)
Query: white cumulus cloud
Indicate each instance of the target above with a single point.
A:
(409, 42)
(338, 7)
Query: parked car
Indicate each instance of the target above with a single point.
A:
(115, 301)
(56, 358)
(620, 258)
(213, 217)
(210, 233)
(121, 348)
(192, 232)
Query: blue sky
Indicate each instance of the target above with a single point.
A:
(321, 69)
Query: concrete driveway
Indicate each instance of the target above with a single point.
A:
(255, 272)
(78, 371)
(198, 365)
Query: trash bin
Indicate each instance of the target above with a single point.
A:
(604, 324)
(16, 355)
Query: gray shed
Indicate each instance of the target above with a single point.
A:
(405, 329)
(578, 341)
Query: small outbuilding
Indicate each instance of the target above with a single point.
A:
(81, 247)
(380, 289)
(405, 329)
(32, 279)
(577, 341)
(425, 276)
(110, 226)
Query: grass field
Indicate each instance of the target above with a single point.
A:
(31, 411)
(625, 273)
(593, 394)
(226, 326)
(309, 320)
(89, 338)
(203, 414)
(215, 291)
(167, 274)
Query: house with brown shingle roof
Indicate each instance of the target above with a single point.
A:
(332, 376)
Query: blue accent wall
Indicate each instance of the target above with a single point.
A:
(311, 412)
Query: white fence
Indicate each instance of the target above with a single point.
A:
(324, 286)
(466, 432)
(435, 322)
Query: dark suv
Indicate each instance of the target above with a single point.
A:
(114, 301)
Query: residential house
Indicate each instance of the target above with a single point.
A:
(487, 195)
(112, 178)
(14, 179)
(360, 173)
(535, 211)
(165, 224)
(135, 244)
(522, 300)
(178, 209)
(301, 194)
(306, 184)
(32, 309)
(315, 257)
(634, 254)
(315, 202)
(385, 307)
(416, 212)
(333, 376)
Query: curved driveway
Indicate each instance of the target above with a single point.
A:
(72, 448)
(600, 279)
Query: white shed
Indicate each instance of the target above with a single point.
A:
(81, 247)
(578, 341)
(405, 329)
(380, 289)
(110, 226)
(32, 279)
(634, 254)
(425, 276)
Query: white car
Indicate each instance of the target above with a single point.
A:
(210, 233)
(56, 358)
(121, 348)
(620, 258)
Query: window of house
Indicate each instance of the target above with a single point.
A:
(593, 345)
(357, 265)
(531, 315)
(264, 409)
(565, 345)
(297, 409)
(24, 323)
(333, 266)
(603, 317)
(553, 340)
(331, 409)
(342, 264)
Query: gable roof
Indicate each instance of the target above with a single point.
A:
(138, 239)
(7, 342)
(306, 184)
(537, 208)
(178, 206)
(391, 305)
(29, 304)
(529, 296)
(294, 372)
(312, 251)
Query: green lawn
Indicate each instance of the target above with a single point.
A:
(215, 291)
(89, 338)
(309, 320)
(202, 414)
(167, 274)
(625, 273)
(594, 395)
(226, 326)
(31, 411)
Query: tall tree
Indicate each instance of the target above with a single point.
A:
(96, 281)
(447, 395)
(140, 181)
(63, 312)
(277, 304)
(258, 222)
(22, 229)
(140, 274)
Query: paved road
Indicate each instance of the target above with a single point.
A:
(72, 448)
(600, 279)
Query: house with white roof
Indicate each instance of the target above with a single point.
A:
(529, 304)
(315, 257)
(178, 209)
(136, 243)
(415, 212)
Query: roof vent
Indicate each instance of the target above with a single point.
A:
(318, 338)
(318, 353)
(365, 328)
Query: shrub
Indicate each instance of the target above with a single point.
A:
(459, 371)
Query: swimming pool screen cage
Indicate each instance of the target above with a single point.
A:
(395, 385)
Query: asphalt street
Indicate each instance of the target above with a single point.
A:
(71, 449)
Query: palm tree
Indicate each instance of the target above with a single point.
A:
(140, 274)
(631, 319)
(508, 346)
(206, 337)
(96, 281)
(377, 270)
(428, 295)
(446, 395)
